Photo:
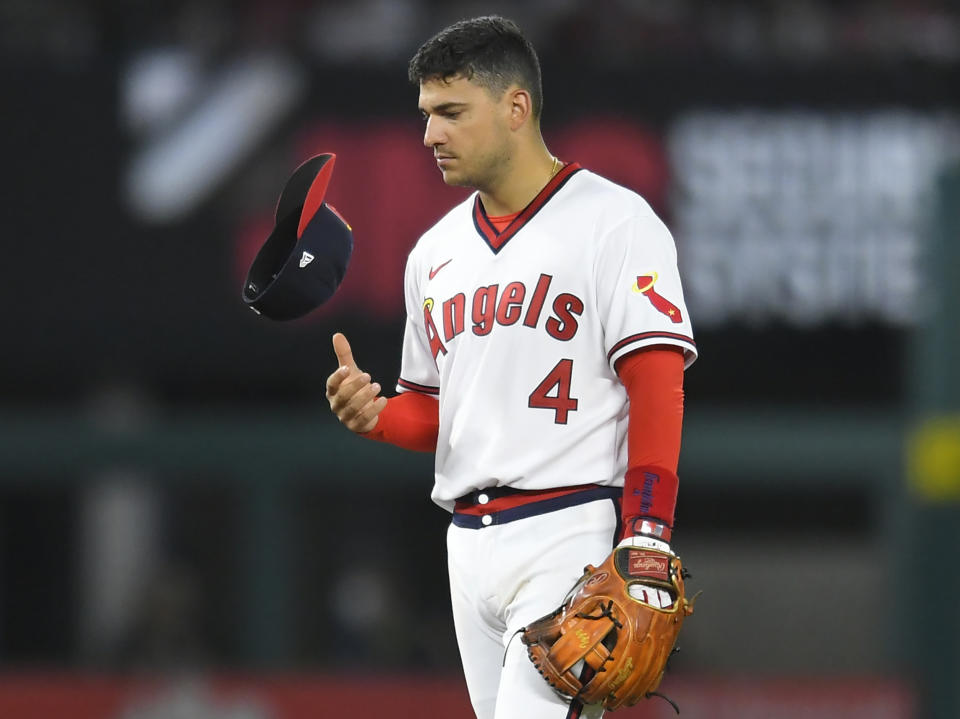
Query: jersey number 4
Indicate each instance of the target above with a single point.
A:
(560, 402)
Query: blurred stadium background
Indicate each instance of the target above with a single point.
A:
(184, 532)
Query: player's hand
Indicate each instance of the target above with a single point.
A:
(353, 397)
(654, 596)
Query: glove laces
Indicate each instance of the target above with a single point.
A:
(604, 612)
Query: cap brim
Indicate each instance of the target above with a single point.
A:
(309, 179)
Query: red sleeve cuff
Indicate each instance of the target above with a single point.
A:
(649, 493)
(410, 420)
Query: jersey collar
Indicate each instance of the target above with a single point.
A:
(497, 240)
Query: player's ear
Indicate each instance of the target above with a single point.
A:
(520, 106)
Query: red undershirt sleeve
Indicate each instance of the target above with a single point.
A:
(654, 381)
(410, 420)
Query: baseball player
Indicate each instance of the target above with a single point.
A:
(545, 343)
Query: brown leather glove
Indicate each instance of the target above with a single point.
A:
(624, 641)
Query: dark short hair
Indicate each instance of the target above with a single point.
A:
(490, 51)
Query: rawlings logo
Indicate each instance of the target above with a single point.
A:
(622, 675)
(583, 637)
(649, 565)
(597, 578)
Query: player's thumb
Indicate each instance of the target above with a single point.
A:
(342, 349)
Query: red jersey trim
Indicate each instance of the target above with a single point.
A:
(650, 335)
(413, 386)
(496, 240)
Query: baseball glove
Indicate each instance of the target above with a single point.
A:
(606, 644)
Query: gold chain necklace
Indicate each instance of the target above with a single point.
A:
(556, 166)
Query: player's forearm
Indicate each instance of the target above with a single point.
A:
(654, 382)
(410, 420)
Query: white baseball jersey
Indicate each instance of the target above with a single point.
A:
(517, 333)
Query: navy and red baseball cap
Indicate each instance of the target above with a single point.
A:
(304, 259)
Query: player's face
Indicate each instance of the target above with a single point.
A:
(467, 129)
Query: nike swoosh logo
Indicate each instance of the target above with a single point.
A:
(433, 272)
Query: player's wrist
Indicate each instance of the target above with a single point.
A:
(649, 501)
(646, 532)
(646, 527)
(639, 542)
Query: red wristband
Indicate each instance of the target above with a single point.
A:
(649, 493)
